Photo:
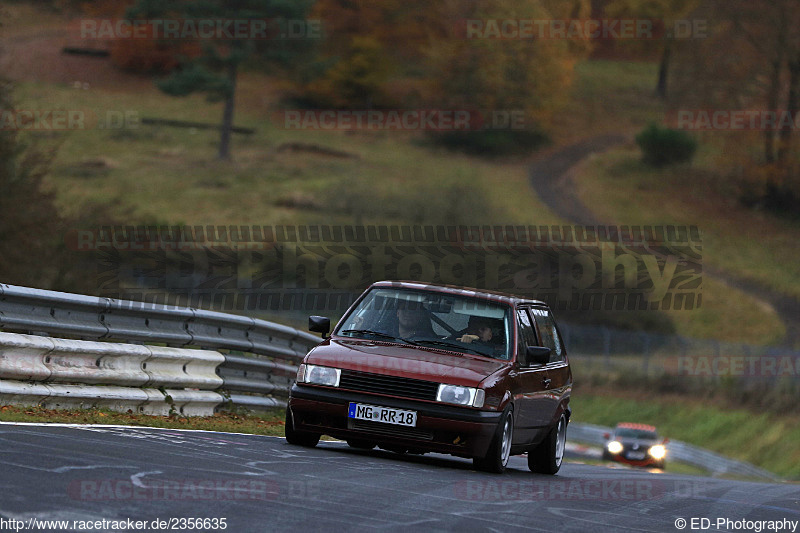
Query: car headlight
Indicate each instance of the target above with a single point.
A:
(458, 395)
(614, 446)
(657, 452)
(319, 375)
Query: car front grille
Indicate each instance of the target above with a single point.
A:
(628, 449)
(390, 385)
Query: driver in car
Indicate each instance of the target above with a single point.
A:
(414, 322)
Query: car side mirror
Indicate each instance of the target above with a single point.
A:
(537, 355)
(665, 441)
(606, 436)
(319, 324)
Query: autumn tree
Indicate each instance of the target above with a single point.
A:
(214, 70)
(385, 52)
(355, 79)
(486, 71)
(667, 16)
(750, 60)
(772, 32)
(366, 45)
(146, 56)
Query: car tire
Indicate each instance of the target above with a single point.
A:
(298, 438)
(360, 444)
(496, 458)
(548, 456)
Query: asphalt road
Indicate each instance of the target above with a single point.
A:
(255, 483)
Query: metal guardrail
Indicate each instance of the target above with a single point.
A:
(678, 451)
(50, 371)
(249, 380)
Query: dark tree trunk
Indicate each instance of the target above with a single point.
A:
(772, 105)
(780, 195)
(227, 116)
(773, 98)
(663, 69)
(792, 104)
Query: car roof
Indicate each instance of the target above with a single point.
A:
(460, 291)
(630, 425)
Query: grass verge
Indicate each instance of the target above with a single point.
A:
(610, 96)
(269, 423)
(736, 240)
(169, 175)
(748, 243)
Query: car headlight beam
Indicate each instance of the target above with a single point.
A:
(657, 452)
(614, 446)
(319, 375)
(458, 395)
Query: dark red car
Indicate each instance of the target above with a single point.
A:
(418, 368)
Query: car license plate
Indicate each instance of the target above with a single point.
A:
(386, 415)
(636, 455)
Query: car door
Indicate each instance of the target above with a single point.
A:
(530, 385)
(558, 370)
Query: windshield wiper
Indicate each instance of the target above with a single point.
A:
(378, 334)
(458, 346)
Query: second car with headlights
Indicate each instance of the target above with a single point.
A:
(416, 368)
(635, 444)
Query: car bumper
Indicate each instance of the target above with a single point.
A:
(647, 461)
(440, 428)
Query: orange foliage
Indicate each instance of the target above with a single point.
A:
(146, 55)
(151, 55)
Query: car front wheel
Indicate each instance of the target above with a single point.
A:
(298, 438)
(547, 457)
(496, 458)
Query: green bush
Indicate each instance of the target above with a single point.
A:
(663, 146)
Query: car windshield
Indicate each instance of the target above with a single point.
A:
(433, 320)
(631, 433)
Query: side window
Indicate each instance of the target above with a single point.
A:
(527, 337)
(548, 333)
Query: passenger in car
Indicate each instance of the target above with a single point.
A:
(479, 329)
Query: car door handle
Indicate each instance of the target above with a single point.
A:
(546, 382)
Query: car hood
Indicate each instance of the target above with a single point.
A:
(409, 361)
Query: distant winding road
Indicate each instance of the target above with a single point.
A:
(549, 177)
